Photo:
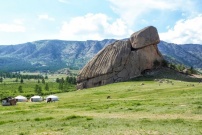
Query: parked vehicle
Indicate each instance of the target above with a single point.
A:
(8, 101)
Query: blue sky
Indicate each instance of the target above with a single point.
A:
(30, 20)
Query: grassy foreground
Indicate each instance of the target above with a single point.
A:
(160, 107)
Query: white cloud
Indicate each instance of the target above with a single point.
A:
(64, 1)
(141, 12)
(130, 10)
(12, 28)
(93, 26)
(19, 21)
(45, 17)
(185, 31)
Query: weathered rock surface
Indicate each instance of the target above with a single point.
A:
(122, 60)
(144, 37)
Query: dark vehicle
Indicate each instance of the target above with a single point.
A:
(8, 101)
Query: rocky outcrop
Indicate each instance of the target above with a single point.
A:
(122, 60)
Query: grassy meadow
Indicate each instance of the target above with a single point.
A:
(138, 107)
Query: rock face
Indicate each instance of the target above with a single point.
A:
(122, 60)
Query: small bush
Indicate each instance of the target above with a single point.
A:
(77, 117)
(156, 63)
(73, 117)
(164, 63)
(3, 122)
(178, 120)
(43, 119)
(89, 118)
(199, 107)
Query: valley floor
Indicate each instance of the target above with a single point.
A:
(154, 107)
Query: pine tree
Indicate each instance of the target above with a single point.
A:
(43, 81)
(20, 89)
(57, 80)
(1, 79)
(38, 89)
(21, 81)
(74, 80)
(60, 86)
(46, 77)
(62, 80)
(192, 70)
(46, 87)
(70, 80)
(67, 79)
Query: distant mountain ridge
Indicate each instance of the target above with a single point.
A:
(49, 54)
(57, 54)
(187, 54)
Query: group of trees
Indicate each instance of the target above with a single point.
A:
(38, 88)
(64, 83)
(182, 68)
(33, 84)
(163, 63)
(20, 77)
(179, 67)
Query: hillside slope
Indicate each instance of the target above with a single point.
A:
(159, 106)
(187, 54)
(49, 54)
(56, 54)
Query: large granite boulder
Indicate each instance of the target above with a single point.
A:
(145, 37)
(122, 60)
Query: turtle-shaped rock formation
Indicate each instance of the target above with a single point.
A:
(122, 60)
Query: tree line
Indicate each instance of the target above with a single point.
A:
(19, 77)
(179, 67)
(64, 83)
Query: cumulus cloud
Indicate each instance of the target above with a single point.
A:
(133, 12)
(130, 10)
(185, 31)
(19, 21)
(94, 26)
(12, 27)
(64, 1)
(45, 17)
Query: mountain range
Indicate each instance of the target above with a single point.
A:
(52, 55)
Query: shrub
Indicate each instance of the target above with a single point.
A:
(43, 119)
(164, 63)
(156, 63)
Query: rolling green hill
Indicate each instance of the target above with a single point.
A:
(167, 103)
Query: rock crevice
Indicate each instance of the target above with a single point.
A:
(122, 60)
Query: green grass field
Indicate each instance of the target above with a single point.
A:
(138, 107)
(9, 86)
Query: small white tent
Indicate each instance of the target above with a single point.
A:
(52, 98)
(21, 98)
(36, 99)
